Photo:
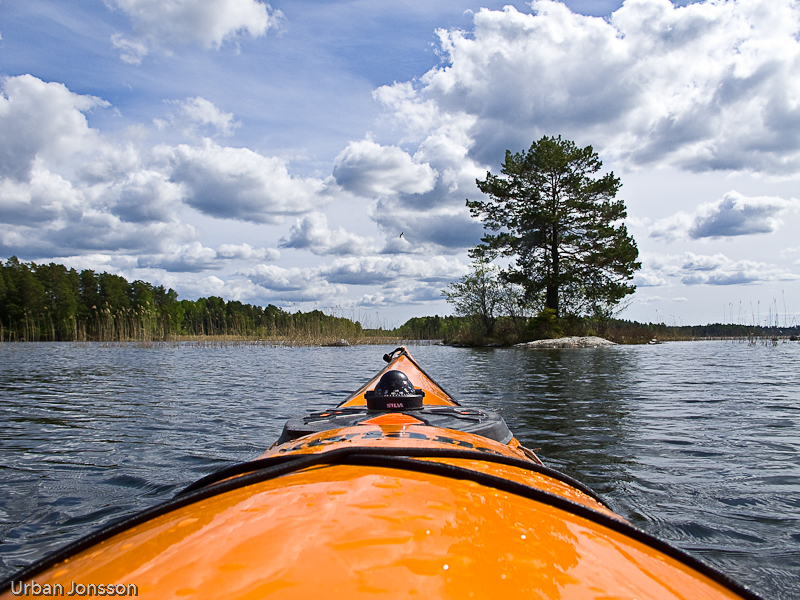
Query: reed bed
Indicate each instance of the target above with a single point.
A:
(236, 342)
(229, 340)
(284, 341)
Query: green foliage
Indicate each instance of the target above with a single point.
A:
(545, 325)
(562, 226)
(51, 302)
(478, 294)
(633, 332)
(492, 305)
(434, 328)
(89, 292)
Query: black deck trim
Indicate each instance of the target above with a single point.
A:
(255, 465)
(364, 458)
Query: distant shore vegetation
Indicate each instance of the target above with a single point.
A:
(49, 302)
(492, 311)
(507, 330)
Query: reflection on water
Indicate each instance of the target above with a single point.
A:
(569, 404)
(695, 442)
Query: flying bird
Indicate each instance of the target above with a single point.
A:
(401, 233)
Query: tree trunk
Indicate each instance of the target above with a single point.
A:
(551, 300)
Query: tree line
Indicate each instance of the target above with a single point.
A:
(457, 329)
(49, 302)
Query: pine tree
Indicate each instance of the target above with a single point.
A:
(562, 226)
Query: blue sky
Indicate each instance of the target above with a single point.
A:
(273, 153)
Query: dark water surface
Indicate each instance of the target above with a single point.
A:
(697, 443)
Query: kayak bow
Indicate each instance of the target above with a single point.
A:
(398, 491)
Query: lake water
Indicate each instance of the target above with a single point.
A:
(695, 442)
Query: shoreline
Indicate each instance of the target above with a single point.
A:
(565, 342)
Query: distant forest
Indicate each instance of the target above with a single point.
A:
(51, 302)
(618, 330)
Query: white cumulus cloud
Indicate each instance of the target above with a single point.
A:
(41, 120)
(379, 270)
(721, 270)
(648, 278)
(191, 257)
(246, 252)
(207, 23)
(194, 257)
(709, 269)
(45, 197)
(405, 292)
(237, 183)
(67, 190)
(733, 215)
(393, 280)
(293, 284)
(200, 115)
(710, 85)
(369, 169)
(312, 233)
(145, 196)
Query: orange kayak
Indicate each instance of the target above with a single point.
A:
(397, 492)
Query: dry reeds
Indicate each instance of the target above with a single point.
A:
(144, 328)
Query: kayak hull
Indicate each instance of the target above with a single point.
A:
(348, 531)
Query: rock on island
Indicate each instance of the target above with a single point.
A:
(568, 342)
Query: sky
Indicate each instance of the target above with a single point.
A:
(275, 153)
